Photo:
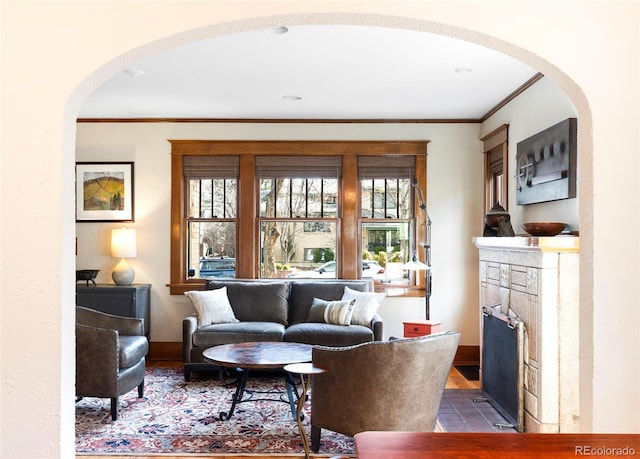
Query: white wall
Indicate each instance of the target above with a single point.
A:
(55, 53)
(538, 108)
(455, 207)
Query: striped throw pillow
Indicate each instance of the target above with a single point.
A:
(331, 312)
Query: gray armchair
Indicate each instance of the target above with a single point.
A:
(110, 356)
(393, 385)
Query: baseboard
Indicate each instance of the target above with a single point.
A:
(465, 355)
(161, 350)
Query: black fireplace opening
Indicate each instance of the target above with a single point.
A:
(502, 365)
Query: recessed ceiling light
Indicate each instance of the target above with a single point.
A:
(291, 97)
(462, 70)
(277, 30)
(134, 72)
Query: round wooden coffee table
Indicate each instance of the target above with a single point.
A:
(258, 356)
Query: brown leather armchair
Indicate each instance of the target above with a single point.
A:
(110, 355)
(393, 385)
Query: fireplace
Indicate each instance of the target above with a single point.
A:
(534, 281)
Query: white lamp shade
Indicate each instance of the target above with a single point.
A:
(415, 265)
(123, 243)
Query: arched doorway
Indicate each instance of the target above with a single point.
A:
(114, 66)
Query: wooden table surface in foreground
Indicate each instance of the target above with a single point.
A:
(423, 445)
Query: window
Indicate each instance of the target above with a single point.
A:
(496, 148)
(211, 211)
(270, 209)
(386, 214)
(298, 214)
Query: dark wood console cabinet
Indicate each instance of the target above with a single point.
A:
(128, 301)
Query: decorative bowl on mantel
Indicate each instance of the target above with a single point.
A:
(541, 229)
(88, 275)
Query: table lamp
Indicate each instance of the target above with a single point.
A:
(123, 246)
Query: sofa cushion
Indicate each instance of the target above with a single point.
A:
(331, 312)
(212, 306)
(328, 334)
(303, 292)
(367, 304)
(216, 334)
(254, 301)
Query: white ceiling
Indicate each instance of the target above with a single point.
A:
(340, 72)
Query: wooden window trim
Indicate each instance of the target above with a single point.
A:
(496, 141)
(349, 192)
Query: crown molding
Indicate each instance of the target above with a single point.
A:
(279, 120)
(526, 85)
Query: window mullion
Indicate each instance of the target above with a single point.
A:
(291, 201)
(386, 197)
(213, 200)
(322, 198)
(246, 266)
(349, 242)
(274, 187)
(199, 198)
(373, 199)
(398, 198)
(306, 198)
(224, 198)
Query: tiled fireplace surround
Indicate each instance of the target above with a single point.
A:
(536, 281)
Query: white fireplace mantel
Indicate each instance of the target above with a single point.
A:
(536, 279)
(535, 244)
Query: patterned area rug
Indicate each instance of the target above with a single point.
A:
(181, 417)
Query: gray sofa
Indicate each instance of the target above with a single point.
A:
(275, 310)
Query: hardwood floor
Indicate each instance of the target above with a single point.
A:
(455, 381)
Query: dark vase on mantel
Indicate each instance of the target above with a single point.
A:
(498, 223)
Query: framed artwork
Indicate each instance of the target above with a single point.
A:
(104, 192)
(546, 164)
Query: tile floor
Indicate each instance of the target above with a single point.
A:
(460, 413)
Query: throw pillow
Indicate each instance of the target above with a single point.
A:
(256, 301)
(331, 312)
(212, 306)
(365, 307)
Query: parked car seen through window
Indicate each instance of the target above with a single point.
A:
(370, 269)
(218, 267)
